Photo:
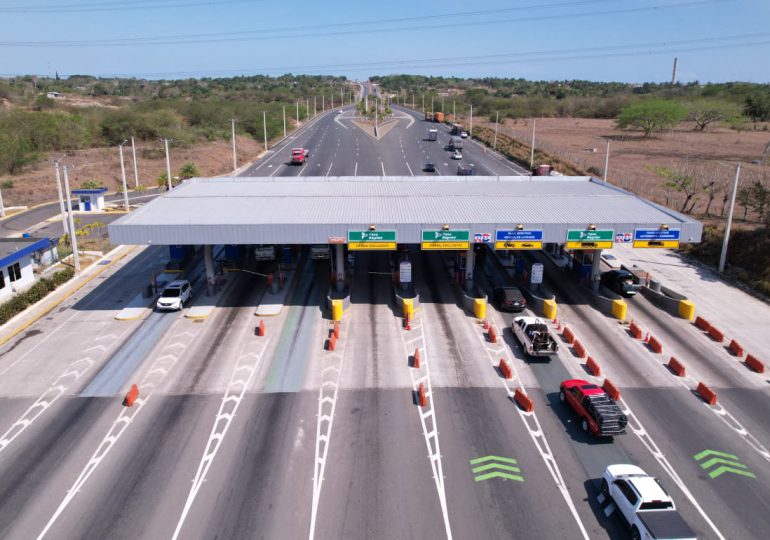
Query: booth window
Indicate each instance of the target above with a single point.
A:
(2, 279)
(14, 272)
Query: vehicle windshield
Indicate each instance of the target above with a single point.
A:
(656, 505)
(589, 387)
(171, 292)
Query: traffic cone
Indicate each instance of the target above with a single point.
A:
(416, 359)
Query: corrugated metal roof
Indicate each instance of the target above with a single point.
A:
(308, 210)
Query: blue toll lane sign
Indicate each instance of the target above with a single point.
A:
(519, 239)
(656, 238)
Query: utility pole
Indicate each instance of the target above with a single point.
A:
(284, 121)
(432, 110)
(71, 223)
(307, 108)
(168, 164)
(323, 103)
(532, 148)
(123, 174)
(264, 126)
(315, 107)
(64, 225)
(497, 119)
(235, 156)
(332, 93)
(454, 112)
(136, 167)
(298, 114)
(413, 100)
(423, 103)
(2, 206)
(470, 129)
(606, 160)
(723, 256)
(673, 72)
(442, 103)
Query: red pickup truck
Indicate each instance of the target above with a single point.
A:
(599, 414)
(299, 156)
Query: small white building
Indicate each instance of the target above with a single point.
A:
(18, 256)
(90, 200)
(55, 95)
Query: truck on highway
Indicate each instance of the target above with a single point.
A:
(438, 117)
(299, 156)
(468, 170)
(457, 129)
(534, 336)
(599, 414)
(428, 117)
(432, 134)
(455, 143)
(644, 505)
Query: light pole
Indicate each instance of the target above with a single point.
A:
(264, 126)
(454, 113)
(284, 121)
(532, 148)
(442, 103)
(606, 160)
(235, 155)
(497, 120)
(315, 106)
(298, 114)
(423, 103)
(432, 110)
(323, 103)
(136, 167)
(307, 108)
(168, 164)
(2, 206)
(470, 128)
(64, 225)
(71, 222)
(723, 256)
(123, 175)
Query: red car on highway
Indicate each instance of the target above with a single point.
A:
(598, 412)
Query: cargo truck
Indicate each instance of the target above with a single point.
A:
(432, 134)
(438, 117)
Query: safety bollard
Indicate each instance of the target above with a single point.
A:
(492, 334)
(676, 366)
(593, 367)
(336, 329)
(486, 324)
(261, 329)
(505, 369)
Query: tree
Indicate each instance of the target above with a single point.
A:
(683, 179)
(710, 189)
(707, 111)
(90, 184)
(757, 107)
(651, 115)
(760, 198)
(140, 188)
(744, 199)
(162, 181)
(188, 170)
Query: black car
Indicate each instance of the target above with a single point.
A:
(429, 167)
(510, 299)
(622, 282)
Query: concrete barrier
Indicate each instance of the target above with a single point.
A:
(716, 334)
(337, 310)
(523, 400)
(735, 348)
(702, 323)
(400, 296)
(755, 363)
(611, 389)
(676, 366)
(480, 308)
(655, 345)
(687, 309)
(580, 350)
(568, 335)
(550, 309)
(593, 367)
(505, 369)
(636, 330)
(669, 301)
(708, 395)
(407, 307)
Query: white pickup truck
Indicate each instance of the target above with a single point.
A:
(534, 336)
(644, 504)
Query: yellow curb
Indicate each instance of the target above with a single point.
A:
(117, 318)
(56, 303)
(197, 316)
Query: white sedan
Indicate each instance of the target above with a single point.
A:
(457, 155)
(464, 134)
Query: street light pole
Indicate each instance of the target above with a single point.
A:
(323, 103)
(64, 225)
(606, 160)
(298, 114)
(235, 155)
(264, 126)
(2, 206)
(71, 222)
(136, 167)
(123, 175)
(168, 164)
(723, 256)
(470, 129)
(532, 148)
(315, 106)
(284, 121)
(497, 120)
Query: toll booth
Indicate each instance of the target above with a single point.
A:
(90, 200)
(179, 255)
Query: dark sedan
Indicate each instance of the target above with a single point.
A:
(510, 299)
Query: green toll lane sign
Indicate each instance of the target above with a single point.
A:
(446, 236)
(371, 236)
(586, 239)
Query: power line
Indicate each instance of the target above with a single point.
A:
(257, 35)
(143, 5)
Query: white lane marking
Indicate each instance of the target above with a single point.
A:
(330, 168)
(327, 403)
(650, 444)
(154, 377)
(355, 169)
(410, 169)
(383, 168)
(530, 420)
(240, 380)
(278, 168)
(417, 334)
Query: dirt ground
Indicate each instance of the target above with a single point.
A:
(583, 142)
(37, 183)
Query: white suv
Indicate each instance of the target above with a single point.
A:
(175, 295)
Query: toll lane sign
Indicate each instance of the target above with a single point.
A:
(372, 240)
(656, 238)
(432, 239)
(519, 239)
(585, 239)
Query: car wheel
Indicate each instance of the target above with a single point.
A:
(605, 488)
(562, 397)
(635, 533)
(584, 425)
(181, 305)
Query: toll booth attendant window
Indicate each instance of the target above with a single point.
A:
(2, 279)
(14, 272)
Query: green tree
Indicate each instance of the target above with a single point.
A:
(760, 198)
(707, 111)
(188, 170)
(140, 188)
(91, 184)
(757, 106)
(743, 197)
(682, 179)
(162, 181)
(651, 115)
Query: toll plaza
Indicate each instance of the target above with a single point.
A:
(577, 215)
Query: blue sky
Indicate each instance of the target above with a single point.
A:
(603, 40)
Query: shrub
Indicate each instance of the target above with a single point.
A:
(8, 184)
(35, 293)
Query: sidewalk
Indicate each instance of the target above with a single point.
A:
(272, 303)
(36, 311)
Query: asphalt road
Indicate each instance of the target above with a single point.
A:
(244, 436)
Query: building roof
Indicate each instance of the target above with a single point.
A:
(312, 209)
(13, 249)
(94, 191)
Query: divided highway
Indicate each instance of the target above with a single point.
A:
(237, 435)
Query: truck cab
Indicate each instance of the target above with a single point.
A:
(299, 156)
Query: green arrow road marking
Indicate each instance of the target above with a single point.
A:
(498, 475)
(496, 466)
(713, 461)
(729, 463)
(705, 453)
(495, 458)
(723, 469)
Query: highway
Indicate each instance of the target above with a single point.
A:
(243, 436)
